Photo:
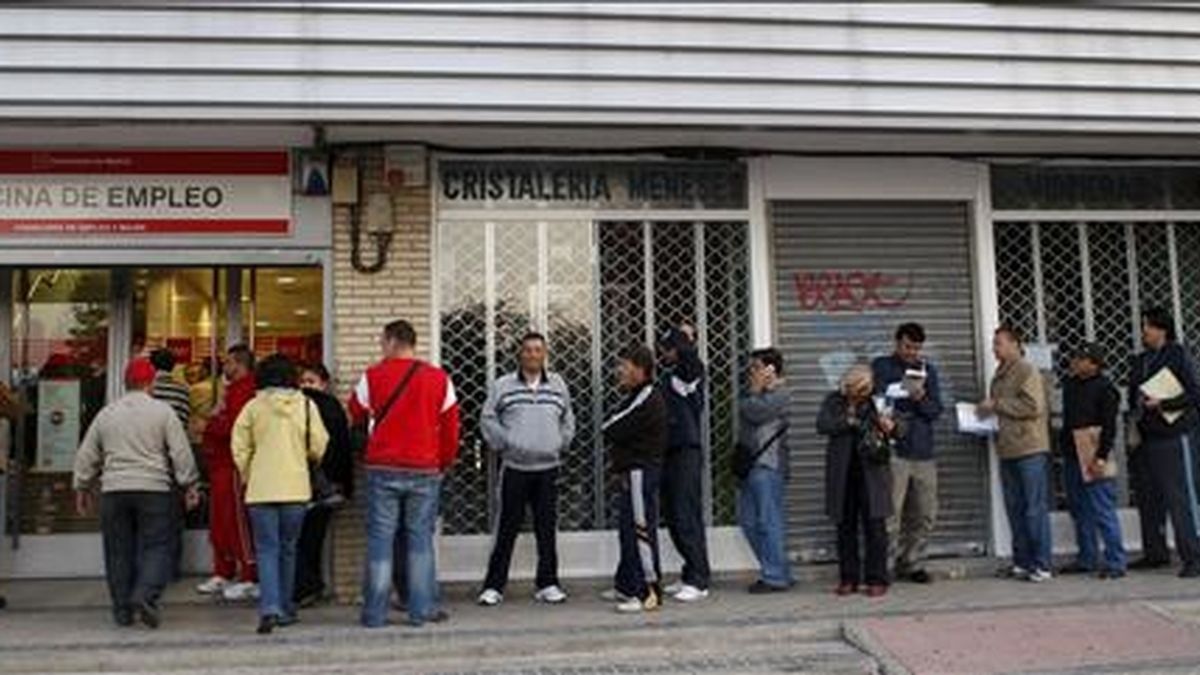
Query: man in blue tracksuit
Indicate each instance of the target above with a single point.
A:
(682, 383)
(1167, 429)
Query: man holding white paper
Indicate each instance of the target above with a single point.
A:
(910, 384)
(1164, 396)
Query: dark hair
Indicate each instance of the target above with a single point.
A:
(162, 360)
(1012, 333)
(641, 357)
(533, 335)
(1160, 318)
(769, 356)
(402, 332)
(276, 370)
(319, 369)
(242, 354)
(913, 331)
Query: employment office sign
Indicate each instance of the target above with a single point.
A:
(144, 193)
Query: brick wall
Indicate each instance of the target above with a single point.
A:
(362, 304)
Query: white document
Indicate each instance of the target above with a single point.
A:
(896, 391)
(969, 421)
(1163, 386)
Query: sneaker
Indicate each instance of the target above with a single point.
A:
(613, 595)
(1111, 574)
(1149, 564)
(213, 586)
(761, 587)
(1012, 572)
(920, 577)
(150, 615)
(551, 594)
(1189, 572)
(690, 593)
(845, 589)
(876, 590)
(490, 597)
(241, 591)
(1075, 568)
(267, 624)
(1038, 576)
(636, 606)
(674, 589)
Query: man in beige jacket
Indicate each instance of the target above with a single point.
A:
(1018, 400)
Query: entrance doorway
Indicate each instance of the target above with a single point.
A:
(73, 330)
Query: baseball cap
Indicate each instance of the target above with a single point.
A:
(139, 373)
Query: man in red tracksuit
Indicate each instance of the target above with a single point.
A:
(234, 573)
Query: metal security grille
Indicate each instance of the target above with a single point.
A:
(847, 273)
(567, 278)
(1064, 283)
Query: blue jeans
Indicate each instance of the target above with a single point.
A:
(760, 513)
(1094, 512)
(276, 529)
(1026, 485)
(416, 496)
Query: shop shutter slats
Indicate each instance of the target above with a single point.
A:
(847, 273)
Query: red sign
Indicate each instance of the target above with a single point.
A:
(181, 348)
(144, 192)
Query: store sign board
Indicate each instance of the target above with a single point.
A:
(144, 193)
(624, 185)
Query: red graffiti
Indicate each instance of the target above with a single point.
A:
(853, 291)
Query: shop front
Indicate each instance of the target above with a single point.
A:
(108, 255)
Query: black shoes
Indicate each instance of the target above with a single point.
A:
(1190, 571)
(439, 616)
(1111, 574)
(919, 577)
(150, 615)
(1149, 564)
(761, 587)
(123, 617)
(1075, 568)
(267, 624)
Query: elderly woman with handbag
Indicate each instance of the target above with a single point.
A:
(858, 480)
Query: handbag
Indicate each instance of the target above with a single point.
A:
(323, 490)
(745, 457)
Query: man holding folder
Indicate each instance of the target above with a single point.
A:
(1090, 406)
(1163, 397)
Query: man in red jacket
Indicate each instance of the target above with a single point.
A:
(412, 413)
(235, 575)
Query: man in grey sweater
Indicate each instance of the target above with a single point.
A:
(528, 421)
(136, 446)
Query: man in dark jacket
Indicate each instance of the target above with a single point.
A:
(682, 384)
(636, 437)
(1165, 427)
(1090, 403)
(910, 385)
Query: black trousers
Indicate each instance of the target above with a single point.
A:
(136, 528)
(683, 507)
(1152, 511)
(639, 571)
(539, 491)
(1171, 468)
(856, 513)
(310, 552)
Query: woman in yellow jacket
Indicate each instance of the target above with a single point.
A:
(275, 438)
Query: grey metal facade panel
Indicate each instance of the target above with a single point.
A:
(846, 274)
(973, 65)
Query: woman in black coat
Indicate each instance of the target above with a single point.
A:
(858, 480)
(337, 469)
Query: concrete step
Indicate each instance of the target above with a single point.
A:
(638, 644)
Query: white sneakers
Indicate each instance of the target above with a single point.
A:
(613, 595)
(551, 594)
(1038, 576)
(490, 597)
(673, 589)
(689, 593)
(241, 591)
(213, 586)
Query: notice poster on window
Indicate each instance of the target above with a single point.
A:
(57, 424)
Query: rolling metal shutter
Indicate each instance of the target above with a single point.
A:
(847, 273)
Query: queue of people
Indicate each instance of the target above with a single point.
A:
(278, 451)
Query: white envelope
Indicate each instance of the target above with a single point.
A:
(969, 421)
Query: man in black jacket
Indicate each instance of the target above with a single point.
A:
(1166, 429)
(1091, 403)
(682, 385)
(636, 436)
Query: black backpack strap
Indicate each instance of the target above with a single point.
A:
(771, 441)
(387, 405)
